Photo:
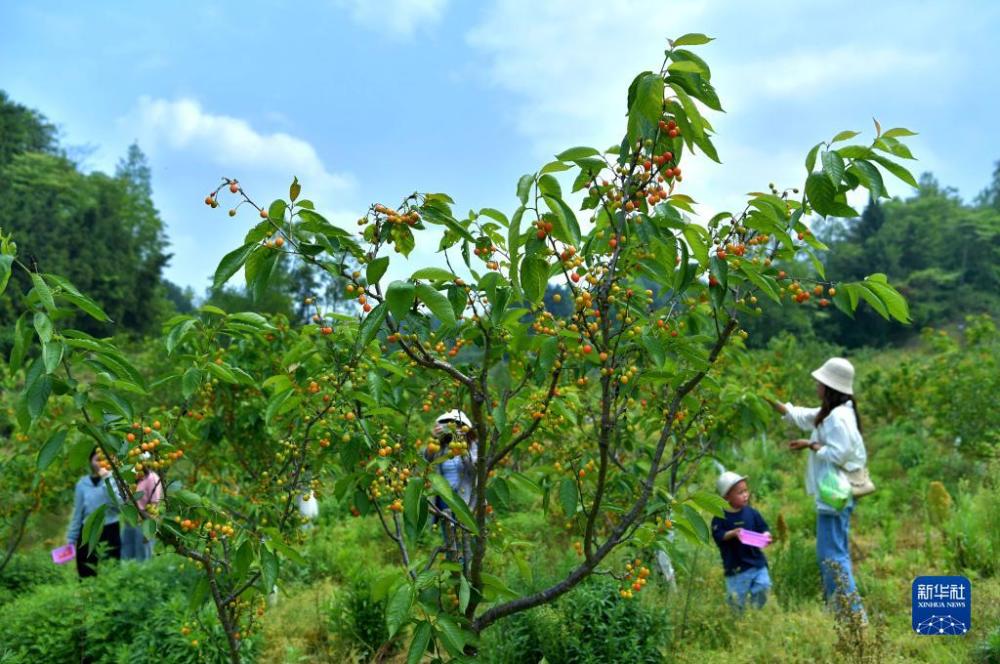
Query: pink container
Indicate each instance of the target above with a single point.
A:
(751, 538)
(63, 554)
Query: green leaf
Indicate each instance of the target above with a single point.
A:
(191, 381)
(43, 327)
(458, 506)
(452, 635)
(464, 593)
(433, 274)
(287, 551)
(645, 110)
(414, 508)
(691, 39)
(765, 283)
(568, 496)
(268, 568)
(844, 135)
(199, 594)
(294, 189)
(811, 157)
(22, 336)
(36, 395)
(276, 212)
(51, 449)
(685, 66)
(872, 298)
(276, 403)
(568, 219)
(555, 167)
(399, 297)
(833, 166)
(549, 186)
(421, 640)
(897, 170)
(894, 302)
(5, 269)
(44, 292)
(534, 277)
(697, 522)
(514, 246)
(376, 269)
(820, 192)
(709, 502)
(696, 238)
(52, 354)
(437, 303)
(690, 109)
(572, 154)
(494, 582)
(211, 309)
(189, 498)
(897, 132)
(703, 142)
(231, 263)
(524, 187)
(397, 611)
(259, 269)
(495, 215)
(221, 372)
(93, 526)
(372, 324)
(870, 177)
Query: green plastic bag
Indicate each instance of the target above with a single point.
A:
(835, 489)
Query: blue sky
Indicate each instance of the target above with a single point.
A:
(369, 101)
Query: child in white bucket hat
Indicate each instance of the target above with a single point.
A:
(835, 445)
(745, 566)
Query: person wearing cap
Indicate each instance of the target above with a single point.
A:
(456, 441)
(745, 566)
(458, 469)
(148, 491)
(835, 442)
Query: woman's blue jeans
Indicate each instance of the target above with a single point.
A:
(834, 556)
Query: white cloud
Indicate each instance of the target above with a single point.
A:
(189, 148)
(564, 61)
(182, 125)
(401, 18)
(804, 72)
(568, 68)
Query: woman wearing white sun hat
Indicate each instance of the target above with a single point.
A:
(835, 445)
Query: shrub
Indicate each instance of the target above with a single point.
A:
(988, 650)
(129, 613)
(359, 618)
(592, 623)
(24, 572)
(795, 571)
(972, 529)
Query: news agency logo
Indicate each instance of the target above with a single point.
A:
(942, 605)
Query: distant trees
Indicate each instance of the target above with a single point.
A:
(942, 253)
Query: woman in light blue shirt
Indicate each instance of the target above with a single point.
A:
(91, 492)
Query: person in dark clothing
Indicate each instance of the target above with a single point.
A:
(745, 566)
(90, 493)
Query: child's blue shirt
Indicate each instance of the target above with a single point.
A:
(736, 556)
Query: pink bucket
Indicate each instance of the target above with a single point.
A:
(751, 538)
(63, 554)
